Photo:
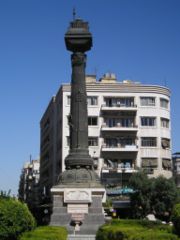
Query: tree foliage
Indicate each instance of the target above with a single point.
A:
(140, 199)
(15, 218)
(176, 218)
(4, 194)
(155, 195)
(163, 196)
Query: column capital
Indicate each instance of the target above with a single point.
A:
(78, 58)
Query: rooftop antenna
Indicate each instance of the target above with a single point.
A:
(74, 13)
(165, 82)
(95, 71)
(30, 158)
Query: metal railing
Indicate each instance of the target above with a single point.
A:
(119, 105)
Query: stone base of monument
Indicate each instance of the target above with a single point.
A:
(81, 237)
(78, 209)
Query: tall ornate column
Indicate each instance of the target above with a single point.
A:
(78, 195)
(79, 164)
(79, 154)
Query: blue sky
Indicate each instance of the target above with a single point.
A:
(135, 39)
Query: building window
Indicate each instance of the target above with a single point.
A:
(119, 142)
(149, 164)
(126, 102)
(111, 122)
(111, 142)
(126, 141)
(68, 100)
(36, 172)
(119, 122)
(46, 124)
(93, 141)
(119, 164)
(92, 100)
(148, 121)
(119, 102)
(92, 121)
(164, 122)
(164, 103)
(127, 122)
(165, 143)
(147, 101)
(148, 142)
(126, 164)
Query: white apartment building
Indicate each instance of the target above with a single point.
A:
(128, 128)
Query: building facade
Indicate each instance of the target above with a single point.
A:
(128, 129)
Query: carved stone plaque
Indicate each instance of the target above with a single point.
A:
(77, 196)
(77, 208)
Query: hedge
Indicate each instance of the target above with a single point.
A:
(15, 218)
(46, 233)
(135, 230)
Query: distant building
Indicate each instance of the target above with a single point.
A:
(29, 184)
(129, 129)
(176, 168)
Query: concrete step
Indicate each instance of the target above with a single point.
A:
(81, 237)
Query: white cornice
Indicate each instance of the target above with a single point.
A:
(122, 88)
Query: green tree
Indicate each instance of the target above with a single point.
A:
(140, 199)
(163, 197)
(176, 218)
(152, 195)
(15, 218)
(4, 194)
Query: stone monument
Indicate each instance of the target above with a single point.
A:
(78, 195)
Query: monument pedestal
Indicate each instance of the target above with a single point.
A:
(78, 209)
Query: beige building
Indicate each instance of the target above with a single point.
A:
(28, 184)
(128, 128)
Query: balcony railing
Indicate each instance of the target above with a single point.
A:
(116, 105)
(119, 147)
(119, 126)
(118, 169)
